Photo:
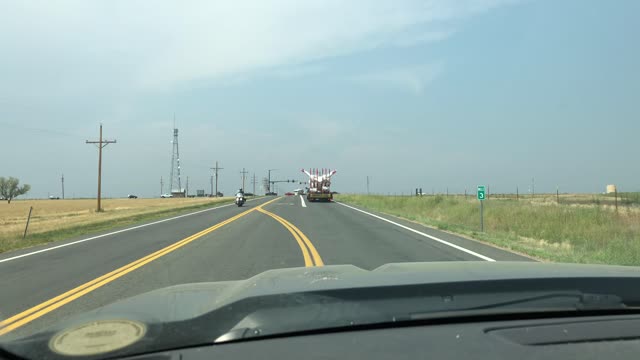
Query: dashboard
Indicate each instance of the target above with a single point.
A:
(598, 337)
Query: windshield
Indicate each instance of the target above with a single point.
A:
(384, 144)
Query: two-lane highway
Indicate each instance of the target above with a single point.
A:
(44, 285)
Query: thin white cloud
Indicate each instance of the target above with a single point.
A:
(78, 46)
(413, 79)
(288, 72)
(413, 39)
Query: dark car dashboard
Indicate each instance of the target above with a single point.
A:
(596, 337)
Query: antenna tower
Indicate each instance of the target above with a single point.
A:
(174, 178)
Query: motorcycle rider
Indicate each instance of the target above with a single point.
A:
(240, 194)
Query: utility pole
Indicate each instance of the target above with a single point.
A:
(62, 179)
(533, 188)
(161, 186)
(244, 173)
(100, 143)
(186, 190)
(253, 182)
(269, 177)
(215, 169)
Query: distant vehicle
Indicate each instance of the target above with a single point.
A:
(298, 192)
(219, 194)
(289, 193)
(271, 194)
(131, 196)
(166, 196)
(248, 194)
(319, 184)
(54, 197)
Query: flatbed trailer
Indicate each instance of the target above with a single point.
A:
(319, 196)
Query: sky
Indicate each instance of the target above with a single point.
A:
(439, 95)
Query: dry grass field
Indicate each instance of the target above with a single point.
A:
(51, 218)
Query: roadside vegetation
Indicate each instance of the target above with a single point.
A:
(10, 188)
(577, 229)
(53, 220)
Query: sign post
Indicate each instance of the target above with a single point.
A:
(481, 197)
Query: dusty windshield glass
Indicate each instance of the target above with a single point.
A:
(433, 141)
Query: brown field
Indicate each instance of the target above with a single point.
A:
(51, 215)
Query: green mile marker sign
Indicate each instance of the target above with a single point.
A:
(481, 192)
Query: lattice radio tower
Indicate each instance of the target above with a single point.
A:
(174, 178)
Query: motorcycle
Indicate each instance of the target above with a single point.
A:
(240, 200)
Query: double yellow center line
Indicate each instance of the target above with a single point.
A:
(309, 252)
(50, 305)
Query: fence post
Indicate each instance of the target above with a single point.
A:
(28, 219)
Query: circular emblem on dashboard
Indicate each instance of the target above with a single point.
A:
(97, 337)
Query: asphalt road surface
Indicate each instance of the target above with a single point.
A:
(40, 286)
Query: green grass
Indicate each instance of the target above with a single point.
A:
(85, 230)
(564, 233)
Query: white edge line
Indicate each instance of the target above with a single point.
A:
(111, 233)
(303, 203)
(423, 234)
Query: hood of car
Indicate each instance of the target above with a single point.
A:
(284, 299)
(190, 300)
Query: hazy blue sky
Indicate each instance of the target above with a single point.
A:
(430, 94)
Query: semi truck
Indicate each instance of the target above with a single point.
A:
(319, 184)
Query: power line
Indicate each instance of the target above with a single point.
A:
(101, 144)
